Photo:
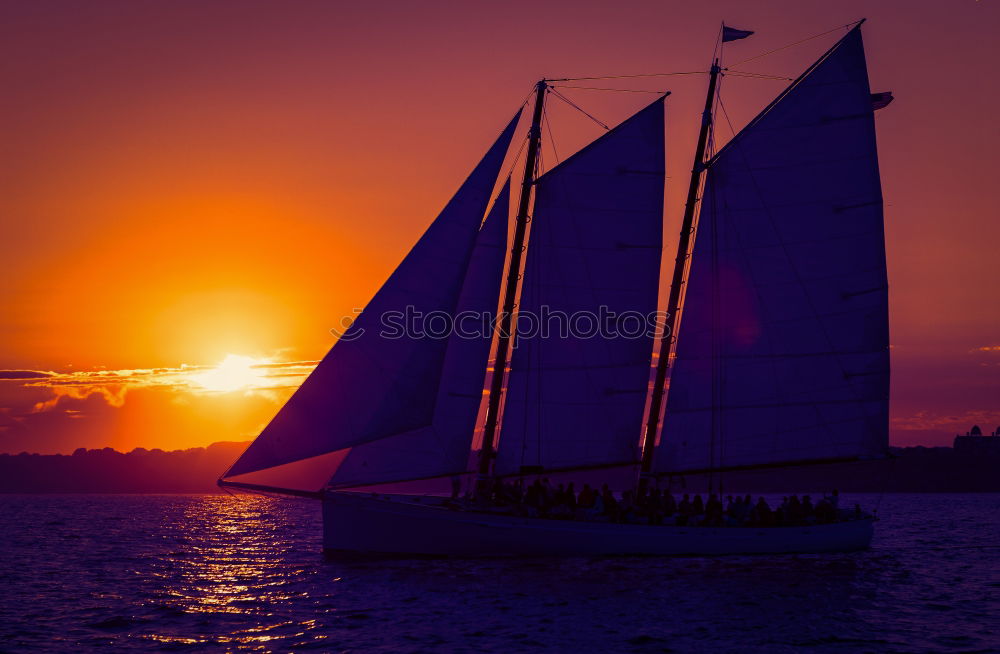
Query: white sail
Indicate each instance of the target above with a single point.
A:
(783, 349)
(596, 233)
(372, 383)
(442, 448)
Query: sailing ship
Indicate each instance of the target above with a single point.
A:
(781, 358)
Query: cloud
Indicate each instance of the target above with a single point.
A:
(114, 396)
(987, 348)
(928, 420)
(24, 374)
(289, 364)
(267, 379)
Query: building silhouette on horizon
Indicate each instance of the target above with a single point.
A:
(974, 443)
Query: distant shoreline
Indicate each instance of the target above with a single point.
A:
(140, 471)
(195, 471)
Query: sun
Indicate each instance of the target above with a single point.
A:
(236, 372)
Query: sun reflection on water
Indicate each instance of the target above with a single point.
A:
(230, 570)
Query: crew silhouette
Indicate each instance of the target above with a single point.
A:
(542, 499)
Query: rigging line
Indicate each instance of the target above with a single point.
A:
(791, 45)
(577, 79)
(524, 141)
(726, 115)
(719, 43)
(493, 338)
(598, 88)
(536, 290)
(715, 456)
(720, 417)
(540, 168)
(527, 98)
(552, 139)
(517, 157)
(714, 448)
(508, 371)
(688, 260)
(744, 73)
(580, 109)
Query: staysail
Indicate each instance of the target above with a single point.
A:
(373, 383)
(575, 395)
(783, 350)
(442, 448)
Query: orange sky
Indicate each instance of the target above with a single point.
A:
(184, 181)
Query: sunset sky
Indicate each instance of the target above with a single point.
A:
(194, 193)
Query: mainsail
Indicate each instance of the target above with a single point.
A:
(442, 448)
(783, 350)
(372, 384)
(574, 399)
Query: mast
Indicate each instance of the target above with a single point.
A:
(513, 275)
(683, 246)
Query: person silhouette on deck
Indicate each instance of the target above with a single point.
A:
(669, 504)
(713, 511)
(761, 515)
(654, 507)
(808, 511)
(610, 503)
(793, 515)
(684, 510)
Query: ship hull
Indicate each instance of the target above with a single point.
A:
(369, 525)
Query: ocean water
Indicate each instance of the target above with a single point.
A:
(224, 573)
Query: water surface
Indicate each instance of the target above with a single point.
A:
(223, 573)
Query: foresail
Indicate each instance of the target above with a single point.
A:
(575, 399)
(375, 383)
(442, 448)
(783, 350)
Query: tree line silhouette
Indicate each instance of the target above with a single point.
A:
(195, 470)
